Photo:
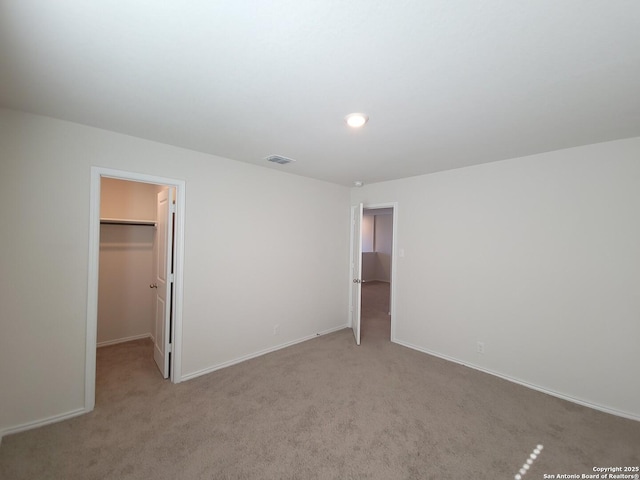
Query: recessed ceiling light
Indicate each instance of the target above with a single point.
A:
(356, 120)
(358, 183)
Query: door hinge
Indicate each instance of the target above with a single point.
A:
(171, 278)
(169, 348)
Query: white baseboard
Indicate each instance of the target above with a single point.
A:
(538, 388)
(123, 340)
(244, 358)
(42, 422)
(81, 411)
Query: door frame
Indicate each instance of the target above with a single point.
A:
(97, 173)
(355, 311)
(394, 259)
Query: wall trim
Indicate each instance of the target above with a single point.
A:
(42, 422)
(106, 343)
(259, 353)
(584, 403)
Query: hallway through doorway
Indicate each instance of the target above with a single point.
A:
(375, 319)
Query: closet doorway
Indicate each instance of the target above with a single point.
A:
(135, 265)
(135, 268)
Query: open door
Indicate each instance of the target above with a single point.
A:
(356, 269)
(163, 280)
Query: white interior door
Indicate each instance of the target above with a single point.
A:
(356, 269)
(163, 280)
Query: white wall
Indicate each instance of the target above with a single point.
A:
(369, 257)
(251, 234)
(126, 304)
(537, 257)
(369, 266)
(128, 200)
(377, 236)
(367, 232)
(383, 246)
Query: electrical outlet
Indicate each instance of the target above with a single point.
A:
(480, 347)
(275, 329)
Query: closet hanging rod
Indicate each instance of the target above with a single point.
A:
(118, 221)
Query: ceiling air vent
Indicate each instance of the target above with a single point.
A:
(279, 159)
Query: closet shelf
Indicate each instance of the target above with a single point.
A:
(124, 221)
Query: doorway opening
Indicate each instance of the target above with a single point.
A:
(136, 240)
(377, 252)
(373, 271)
(140, 219)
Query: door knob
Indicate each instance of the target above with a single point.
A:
(153, 285)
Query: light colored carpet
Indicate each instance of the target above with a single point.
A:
(323, 409)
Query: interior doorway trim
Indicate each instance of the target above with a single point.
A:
(394, 255)
(97, 173)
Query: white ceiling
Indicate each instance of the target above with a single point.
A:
(445, 83)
